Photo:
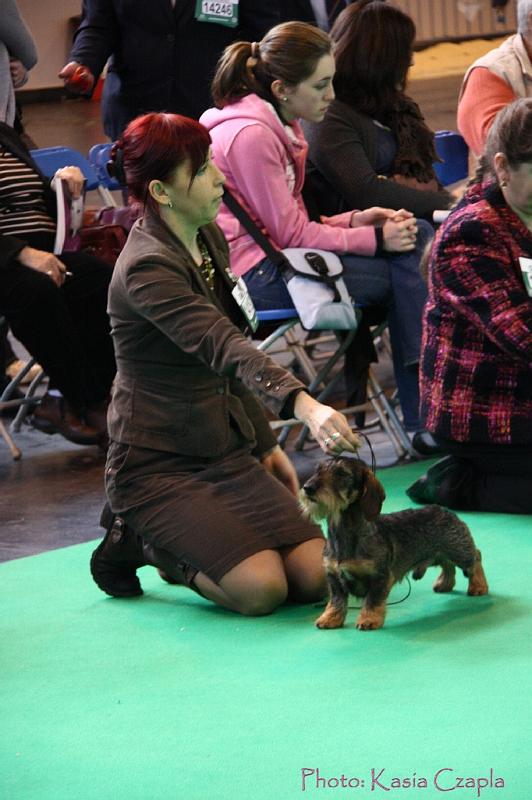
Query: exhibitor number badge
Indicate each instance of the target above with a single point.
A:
(220, 13)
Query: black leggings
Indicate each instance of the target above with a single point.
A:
(66, 329)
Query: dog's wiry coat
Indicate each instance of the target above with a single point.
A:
(366, 552)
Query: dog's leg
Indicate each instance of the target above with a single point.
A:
(336, 609)
(478, 584)
(446, 580)
(373, 611)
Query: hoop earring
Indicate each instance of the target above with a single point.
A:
(503, 184)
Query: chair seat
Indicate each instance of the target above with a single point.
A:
(277, 314)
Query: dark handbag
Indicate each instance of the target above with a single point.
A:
(78, 230)
(103, 241)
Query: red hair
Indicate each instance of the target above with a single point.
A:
(153, 146)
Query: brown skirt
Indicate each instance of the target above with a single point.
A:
(208, 514)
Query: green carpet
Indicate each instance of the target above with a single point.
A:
(167, 697)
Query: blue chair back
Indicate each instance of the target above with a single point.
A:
(50, 159)
(454, 152)
(99, 155)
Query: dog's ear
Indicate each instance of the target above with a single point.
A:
(373, 497)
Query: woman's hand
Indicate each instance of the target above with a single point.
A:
(74, 178)
(328, 426)
(400, 233)
(45, 262)
(279, 465)
(372, 216)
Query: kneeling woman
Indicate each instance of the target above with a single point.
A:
(193, 468)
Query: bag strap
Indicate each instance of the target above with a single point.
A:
(276, 256)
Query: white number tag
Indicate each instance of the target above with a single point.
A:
(218, 12)
(526, 269)
(242, 297)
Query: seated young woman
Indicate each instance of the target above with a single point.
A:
(55, 305)
(194, 473)
(373, 146)
(261, 91)
(476, 367)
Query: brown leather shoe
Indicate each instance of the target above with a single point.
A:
(55, 415)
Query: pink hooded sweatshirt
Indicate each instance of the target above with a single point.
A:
(264, 165)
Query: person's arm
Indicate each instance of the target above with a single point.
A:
(474, 272)
(266, 194)
(484, 95)
(338, 151)
(16, 36)
(164, 295)
(95, 39)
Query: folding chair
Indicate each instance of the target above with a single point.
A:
(99, 155)
(323, 380)
(50, 159)
(22, 403)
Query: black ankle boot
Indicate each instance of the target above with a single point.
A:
(449, 482)
(116, 559)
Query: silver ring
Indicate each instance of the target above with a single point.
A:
(335, 436)
(48, 271)
(326, 441)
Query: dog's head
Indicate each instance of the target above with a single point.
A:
(338, 483)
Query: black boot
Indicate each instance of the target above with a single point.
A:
(449, 482)
(116, 559)
(121, 552)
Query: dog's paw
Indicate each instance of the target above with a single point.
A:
(478, 584)
(331, 618)
(477, 587)
(369, 621)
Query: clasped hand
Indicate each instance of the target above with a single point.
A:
(398, 226)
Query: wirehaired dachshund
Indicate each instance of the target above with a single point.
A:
(367, 553)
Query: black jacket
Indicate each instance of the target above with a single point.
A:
(162, 59)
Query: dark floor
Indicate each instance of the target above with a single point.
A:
(52, 497)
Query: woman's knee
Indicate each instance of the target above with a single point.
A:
(258, 585)
(263, 597)
(306, 572)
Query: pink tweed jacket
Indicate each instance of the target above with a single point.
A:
(476, 365)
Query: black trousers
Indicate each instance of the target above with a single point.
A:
(499, 476)
(66, 329)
